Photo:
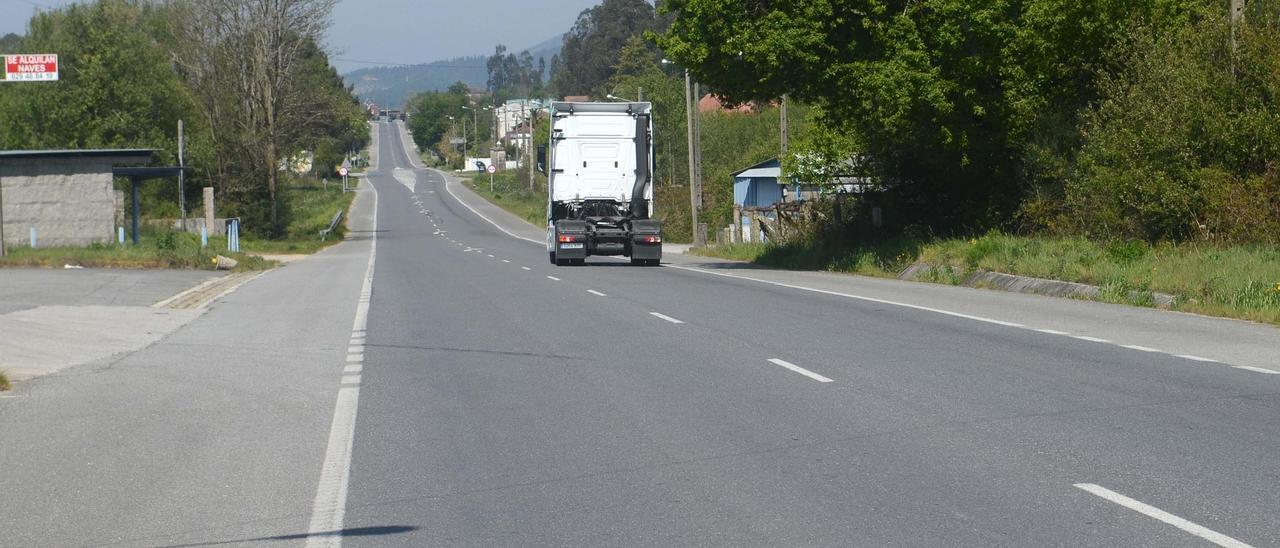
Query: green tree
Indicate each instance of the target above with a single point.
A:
(429, 114)
(118, 88)
(10, 43)
(946, 97)
(591, 48)
(1185, 142)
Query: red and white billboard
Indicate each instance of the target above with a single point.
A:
(31, 68)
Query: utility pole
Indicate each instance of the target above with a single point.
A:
(639, 94)
(783, 124)
(693, 183)
(1, 216)
(182, 188)
(782, 113)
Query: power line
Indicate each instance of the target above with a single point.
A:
(36, 4)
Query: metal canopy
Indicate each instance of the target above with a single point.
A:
(136, 176)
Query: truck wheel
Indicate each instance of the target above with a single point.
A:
(553, 256)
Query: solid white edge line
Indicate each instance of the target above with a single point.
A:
(1053, 332)
(850, 296)
(1256, 369)
(328, 511)
(1091, 339)
(1142, 348)
(665, 317)
(798, 369)
(488, 220)
(596, 293)
(1153, 512)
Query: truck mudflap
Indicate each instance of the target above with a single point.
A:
(571, 241)
(646, 241)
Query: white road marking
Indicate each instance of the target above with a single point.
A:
(1196, 358)
(490, 221)
(490, 256)
(329, 509)
(800, 370)
(525, 268)
(1141, 348)
(505, 261)
(665, 317)
(1153, 512)
(851, 296)
(353, 368)
(351, 358)
(596, 293)
(1053, 331)
(553, 278)
(1090, 339)
(1256, 369)
(355, 349)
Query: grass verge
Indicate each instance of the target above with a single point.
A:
(310, 205)
(1229, 281)
(156, 249)
(509, 194)
(4, 382)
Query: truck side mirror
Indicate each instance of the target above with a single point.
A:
(542, 159)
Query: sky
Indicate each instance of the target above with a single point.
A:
(407, 31)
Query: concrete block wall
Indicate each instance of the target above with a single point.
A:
(70, 202)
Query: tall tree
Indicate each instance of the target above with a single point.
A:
(592, 46)
(947, 97)
(246, 58)
(117, 87)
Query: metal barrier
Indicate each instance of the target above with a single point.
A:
(337, 218)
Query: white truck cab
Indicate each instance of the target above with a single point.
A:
(599, 168)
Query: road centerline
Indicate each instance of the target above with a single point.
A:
(1156, 513)
(795, 368)
(665, 317)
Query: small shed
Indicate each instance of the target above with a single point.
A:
(65, 195)
(758, 185)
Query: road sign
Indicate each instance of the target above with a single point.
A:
(491, 169)
(342, 171)
(31, 68)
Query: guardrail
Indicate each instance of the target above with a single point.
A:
(337, 218)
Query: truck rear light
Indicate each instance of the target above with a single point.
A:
(651, 239)
(568, 238)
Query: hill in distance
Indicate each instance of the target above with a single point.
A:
(392, 86)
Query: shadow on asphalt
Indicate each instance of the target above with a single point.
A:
(352, 532)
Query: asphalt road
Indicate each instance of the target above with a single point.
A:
(505, 401)
(482, 396)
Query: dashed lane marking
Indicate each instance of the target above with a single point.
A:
(793, 367)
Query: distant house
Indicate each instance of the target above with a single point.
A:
(711, 103)
(577, 98)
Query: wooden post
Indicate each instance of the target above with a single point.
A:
(689, 105)
(1, 216)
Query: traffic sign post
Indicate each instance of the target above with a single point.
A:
(31, 68)
(343, 171)
(491, 169)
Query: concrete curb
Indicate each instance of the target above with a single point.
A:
(1037, 286)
